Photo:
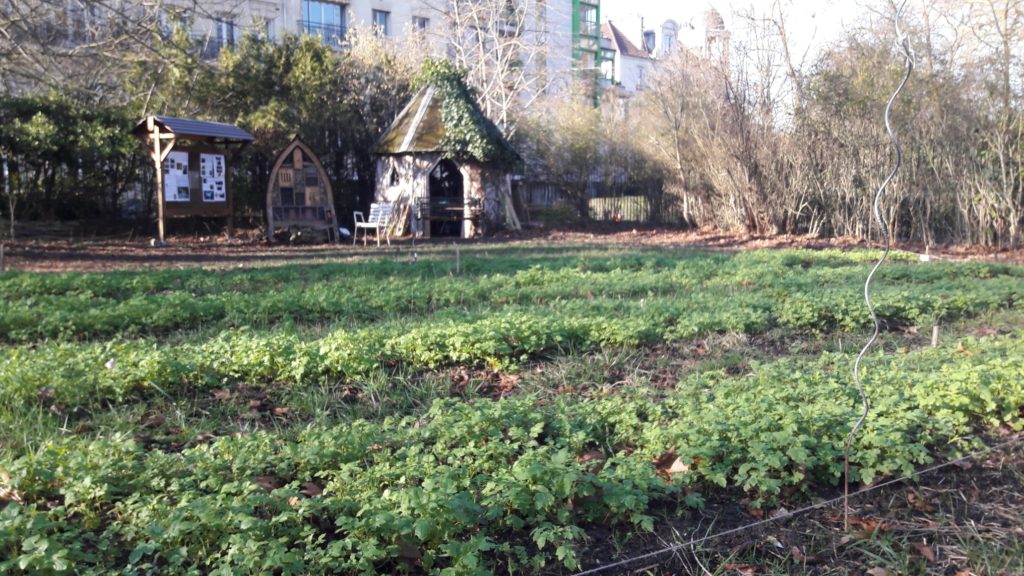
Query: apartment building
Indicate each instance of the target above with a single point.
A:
(567, 31)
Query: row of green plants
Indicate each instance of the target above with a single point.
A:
(803, 290)
(478, 260)
(89, 373)
(485, 486)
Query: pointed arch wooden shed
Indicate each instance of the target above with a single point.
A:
(299, 193)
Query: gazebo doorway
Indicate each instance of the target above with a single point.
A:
(447, 200)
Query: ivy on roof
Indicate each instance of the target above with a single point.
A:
(467, 134)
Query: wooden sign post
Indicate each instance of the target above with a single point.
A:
(158, 154)
(191, 181)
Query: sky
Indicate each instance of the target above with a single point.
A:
(811, 23)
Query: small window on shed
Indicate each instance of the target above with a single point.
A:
(312, 176)
(393, 177)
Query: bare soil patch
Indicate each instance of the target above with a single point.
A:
(250, 249)
(965, 519)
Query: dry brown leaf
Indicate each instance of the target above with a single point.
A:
(741, 568)
(221, 394)
(917, 502)
(591, 456)
(868, 527)
(925, 551)
(669, 463)
(311, 489)
(880, 572)
(150, 420)
(293, 501)
(281, 411)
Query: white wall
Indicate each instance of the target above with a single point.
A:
(631, 72)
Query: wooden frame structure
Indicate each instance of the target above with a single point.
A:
(161, 133)
(413, 147)
(291, 168)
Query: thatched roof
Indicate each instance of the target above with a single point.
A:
(420, 127)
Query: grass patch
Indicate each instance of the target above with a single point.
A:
(380, 416)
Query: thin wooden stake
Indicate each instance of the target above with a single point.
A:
(3, 266)
(458, 261)
(935, 335)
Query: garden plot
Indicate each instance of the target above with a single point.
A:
(380, 416)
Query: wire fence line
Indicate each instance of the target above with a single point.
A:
(693, 543)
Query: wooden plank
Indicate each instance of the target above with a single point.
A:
(158, 159)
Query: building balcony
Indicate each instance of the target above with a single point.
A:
(330, 34)
(590, 29)
(210, 48)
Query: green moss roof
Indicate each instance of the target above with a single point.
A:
(419, 127)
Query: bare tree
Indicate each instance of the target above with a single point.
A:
(73, 45)
(503, 45)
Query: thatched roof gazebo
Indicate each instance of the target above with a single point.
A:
(445, 167)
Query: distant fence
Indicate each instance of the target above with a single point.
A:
(547, 203)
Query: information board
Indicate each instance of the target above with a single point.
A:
(211, 173)
(176, 184)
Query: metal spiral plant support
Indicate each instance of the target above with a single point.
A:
(908, 55)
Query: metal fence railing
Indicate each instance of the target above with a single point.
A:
(330, 34)
(650, 207)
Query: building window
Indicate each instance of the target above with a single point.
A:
(668, 42)
(323, 19)
(223, 35)
(225, 31)
(380, 22)
(588, 20)
(608, 64)
(588, 61)
(649, 40)
(420, 23)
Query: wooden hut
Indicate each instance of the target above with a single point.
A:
(436, 185)
(299, 193)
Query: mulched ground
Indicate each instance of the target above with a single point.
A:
(965, 519)
(64, 255)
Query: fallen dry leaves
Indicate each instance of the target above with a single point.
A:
(669, 464)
